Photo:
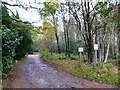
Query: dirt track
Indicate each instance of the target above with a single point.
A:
(33, 73)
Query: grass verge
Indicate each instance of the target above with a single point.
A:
(6, 80)
(107, 73)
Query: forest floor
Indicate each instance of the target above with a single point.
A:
(34, 73)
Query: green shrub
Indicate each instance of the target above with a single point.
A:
(45, 54)
(107, 66)
(10, 40)
(74, 56)
(16, 39)
(103, 73)
(25, 45)
(62, 57)
(53, 55)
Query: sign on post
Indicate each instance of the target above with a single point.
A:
(95, 46)
(80, 49)
(95, 57)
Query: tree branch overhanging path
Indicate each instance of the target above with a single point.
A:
(20, 5)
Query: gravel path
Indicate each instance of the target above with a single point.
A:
(33, 73)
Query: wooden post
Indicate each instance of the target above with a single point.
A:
(95, 58)
(80, 57)
(95, 55)
(100, 56)
(80, 50)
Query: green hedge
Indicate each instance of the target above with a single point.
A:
(16, 40)
(10, 40)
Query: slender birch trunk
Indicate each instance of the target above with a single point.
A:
(106, 56)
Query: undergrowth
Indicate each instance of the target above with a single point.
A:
(107, 73)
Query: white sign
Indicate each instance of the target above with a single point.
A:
(95, 46)
(80, 49)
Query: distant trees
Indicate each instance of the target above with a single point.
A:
(86, 23)
(70, 24)
(47, 37)
(50, 9)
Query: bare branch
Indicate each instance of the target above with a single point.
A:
(20, 5)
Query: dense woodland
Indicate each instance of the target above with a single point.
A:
(66, 26)
(83, 24)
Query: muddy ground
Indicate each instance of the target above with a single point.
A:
(34, 73)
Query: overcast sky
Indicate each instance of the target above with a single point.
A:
(31, 14)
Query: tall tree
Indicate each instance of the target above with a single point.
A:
(50, 9)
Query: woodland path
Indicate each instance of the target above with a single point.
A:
(34, 73)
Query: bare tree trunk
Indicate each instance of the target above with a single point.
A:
(66, 33)
(119, 43)
(90, 50)
(106, 56)
(65, 38)
(57, 38)
(113, 50)
(103, 52)
(68, 41)
(57, 43)
(116, 51)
